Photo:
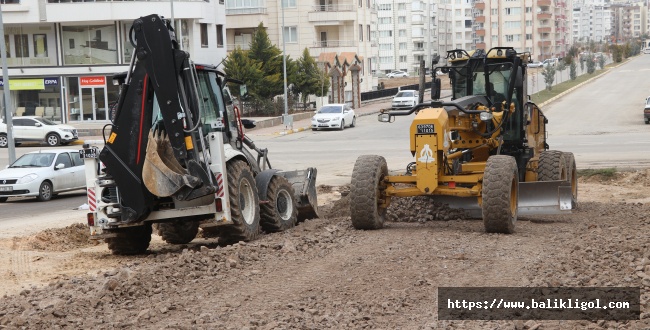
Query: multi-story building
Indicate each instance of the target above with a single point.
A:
(629, 20)
(542, 27)
(61, 54)
(328, 28)
(592, 21)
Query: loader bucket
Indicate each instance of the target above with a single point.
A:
(162, 174)
(543, 197)
(304, 186)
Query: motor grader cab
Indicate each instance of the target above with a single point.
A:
(484, 151)
(177, 157)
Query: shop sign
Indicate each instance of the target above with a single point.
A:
(30, 84)
(92, 81)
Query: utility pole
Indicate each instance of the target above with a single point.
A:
(288, 121)
(7, 96)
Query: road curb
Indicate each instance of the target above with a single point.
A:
(82, 142)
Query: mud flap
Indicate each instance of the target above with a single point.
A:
(304, 186)
(543, 197)
(162, 174)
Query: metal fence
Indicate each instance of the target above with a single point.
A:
(389, 92)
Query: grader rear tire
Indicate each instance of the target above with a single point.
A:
(244, 204)
(178, 232)
(281, 212)
(572, 177)
(130, 240)
(552, 166)
(500, 194)
(367, 192)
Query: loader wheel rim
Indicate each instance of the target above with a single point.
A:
(246, 199)
(284, 205)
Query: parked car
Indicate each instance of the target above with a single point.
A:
(535, 64)
(334, 116)
(32, 128)
(549, 61)
(646, 111)
(397, 74)
(405, 99)
(43, 174)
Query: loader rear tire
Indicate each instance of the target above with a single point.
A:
(178, 232)
(500, 194)
(130, 240)
(572, 177)
(244, 204)
(281, 212)
(367, 192)
(552, 166)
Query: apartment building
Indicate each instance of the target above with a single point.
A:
(592, 21)
(542, 27)
(629, 20)
(330, 29)
(62, 54)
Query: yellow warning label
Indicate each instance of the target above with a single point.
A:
(112, 137)
(188, 143)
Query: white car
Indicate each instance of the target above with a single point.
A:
(405, 99)
(397, 74)
(43, 174)
(535, 64)
(38, 129)
(334, 116)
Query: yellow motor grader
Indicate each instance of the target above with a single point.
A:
(484, 151)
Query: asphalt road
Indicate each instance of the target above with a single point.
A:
(601, 123)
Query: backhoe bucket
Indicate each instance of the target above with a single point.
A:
(542, 197)
(304, 186)
(163, 175)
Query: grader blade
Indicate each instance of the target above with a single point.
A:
(544, 197)
(162, 174)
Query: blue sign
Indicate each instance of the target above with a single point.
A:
(48, 81)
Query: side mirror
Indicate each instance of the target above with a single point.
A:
(248, 124)
(59, 166)
(346, 111)
(38, 125)
(385, 118)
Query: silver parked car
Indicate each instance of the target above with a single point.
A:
(43, 174)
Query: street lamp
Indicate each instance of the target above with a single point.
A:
(7, 95)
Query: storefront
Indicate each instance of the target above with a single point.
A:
(36, 97)
(90, 97)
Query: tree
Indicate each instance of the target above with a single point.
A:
(591, 64)
(270, 57)
(310, 79)
(549, 76)
(582, 63)
(241, 67)
(572, 70)
(601, 61)
(561, 66)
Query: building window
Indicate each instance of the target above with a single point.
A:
(204, 35)
(368, 32)
(219, 35)
(291, 34)
(360, 3)
(402, 45)
(385, 20)
(401, 6)
(89, 44)
(383, 34)
(529, 36)
(402, 58)
(529, 9)
(401, 19)
(7, 49)
(289, 3)
(386, 47)
(360, 32)
(402, 33)
(22, 47)
(494, 11)
(40, 45)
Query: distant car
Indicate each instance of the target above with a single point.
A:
(397, 74)
(43, 174)
(549, 61)
(646, 111)
(334, 116)
(32, 128)
(405, 99)
(536, 64)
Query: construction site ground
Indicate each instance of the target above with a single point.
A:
(323, 274)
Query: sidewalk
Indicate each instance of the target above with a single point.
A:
(91, 132)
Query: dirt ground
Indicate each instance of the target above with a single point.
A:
(323, 274)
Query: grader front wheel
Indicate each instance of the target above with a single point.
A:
(500, 194)
(367, 207)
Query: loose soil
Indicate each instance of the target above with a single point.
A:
(323, 274)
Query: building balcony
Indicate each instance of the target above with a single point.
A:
(544, 15)
(231, 47)
(113, 10)
(544, 29)
(245, 11)
(544, 3)
(479, 19)
(480, 5)
(480, 32)
(334, 44)
(332, 14)
(480, 45)
(545, 43)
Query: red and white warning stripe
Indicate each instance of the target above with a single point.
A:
(220, 185)
(91, 200)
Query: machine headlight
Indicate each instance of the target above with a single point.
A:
(485, 116)
(336, 118)
(27, 178)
